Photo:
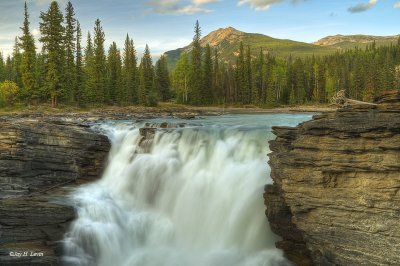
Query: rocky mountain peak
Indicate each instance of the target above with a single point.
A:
(216, 37)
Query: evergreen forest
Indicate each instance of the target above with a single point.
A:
(69, 72)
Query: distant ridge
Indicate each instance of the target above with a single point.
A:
(350, 41)
(227, 42)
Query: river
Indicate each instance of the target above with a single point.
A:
(186, 196)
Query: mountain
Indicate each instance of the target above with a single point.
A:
(351, 41)
(227, 41)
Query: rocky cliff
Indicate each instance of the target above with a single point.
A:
(336, 193)
(38, 156)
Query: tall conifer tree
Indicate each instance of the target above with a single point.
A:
(52, 32)
(162, 81)
(147, 95)
(196, 71)
(70, 50)
(96, 75)
(113, 73)
(207, 89)
(79, 68)
(130, 74)
(27, 44)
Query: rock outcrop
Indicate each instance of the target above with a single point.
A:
(336, 193)
(38, 156)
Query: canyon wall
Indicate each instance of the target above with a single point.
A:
(38, 157)
(336, 193)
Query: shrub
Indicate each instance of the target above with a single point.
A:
(8, 93)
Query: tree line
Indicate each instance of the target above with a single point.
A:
(67, 72)
(267, 81)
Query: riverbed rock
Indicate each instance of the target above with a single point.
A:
(38, 156)
(337, 187)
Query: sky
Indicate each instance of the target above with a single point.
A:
(168, 24)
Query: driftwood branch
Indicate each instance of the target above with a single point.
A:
(340, 100)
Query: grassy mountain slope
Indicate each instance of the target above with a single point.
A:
(351, 41)
(227, 42)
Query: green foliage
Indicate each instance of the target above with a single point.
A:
(130, 74)
(52, 32)
(207, 90)
(147, 94)
(114, 80)
(79, 70)
(70, 50)
(196, 84)
(162, 80)
(96, 67)
(2, 68)
(27, 44)
(8, 93)
(15, 71)
(66, 72)
(180, 79)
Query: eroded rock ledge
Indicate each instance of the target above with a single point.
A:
(336, 193)
(39, 156)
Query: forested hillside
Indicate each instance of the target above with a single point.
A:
(266, 80)
(69, 72)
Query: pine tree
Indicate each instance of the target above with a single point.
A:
(89, 71)
(130, 74)
(97, 88)
(8, 69)
(79, 68)
(259, 94)
(240, 76)
(114, 65)
(162, 80)
(218, 93)
(196, 81)
(70, 50)
(2, 68)
(147, 95)
(207, 89)
(27, 44)
(16, 64)
(52, 32)
(248, 77)
(40, 76)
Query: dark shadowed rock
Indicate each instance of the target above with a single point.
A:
(37, 157)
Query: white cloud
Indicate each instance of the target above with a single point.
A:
(361, 7)
(397, 4)
(262, 5)
(179, 7)
(204, 2)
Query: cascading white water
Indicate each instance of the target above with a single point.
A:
(193, 199)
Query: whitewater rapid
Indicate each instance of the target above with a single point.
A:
(188, 196)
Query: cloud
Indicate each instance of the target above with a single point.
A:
(203, 2)
(45, 2)
(361, 7)
(262, 5)
(397, 4)
(179, 7)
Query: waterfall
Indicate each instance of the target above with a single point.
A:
(188, 196)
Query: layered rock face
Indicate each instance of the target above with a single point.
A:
(336, 193)
(37, 158)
